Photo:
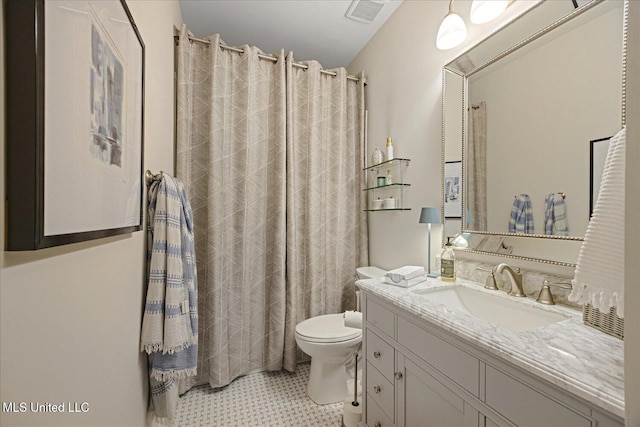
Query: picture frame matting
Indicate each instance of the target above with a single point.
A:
(75, 96)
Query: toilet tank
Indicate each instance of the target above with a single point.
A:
(369, 272)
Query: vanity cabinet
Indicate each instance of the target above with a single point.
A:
(416, 374)
(425, 401)
(386, 181)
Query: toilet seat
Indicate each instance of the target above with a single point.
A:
(326, 329)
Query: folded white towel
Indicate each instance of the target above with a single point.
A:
(599, 277)
(404, 273)
(406, 283)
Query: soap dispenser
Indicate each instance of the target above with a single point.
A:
(448, 263)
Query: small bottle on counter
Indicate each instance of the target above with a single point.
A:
(389, 149)
(448, 263)
(389, 177)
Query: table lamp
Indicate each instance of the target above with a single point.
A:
(430, 216)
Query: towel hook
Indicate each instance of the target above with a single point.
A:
(149, 177)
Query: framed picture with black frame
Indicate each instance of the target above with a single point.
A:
(75, 97)
(598, 150)
(452, 190)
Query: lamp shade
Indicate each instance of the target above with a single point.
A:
(485, 10)
(430, 216)
(452, 31)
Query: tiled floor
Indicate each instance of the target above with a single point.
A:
(257, 400)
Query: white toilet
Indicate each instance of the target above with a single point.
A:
(331, 346)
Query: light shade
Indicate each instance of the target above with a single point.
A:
(430, 216)
(461, 240)
(452, 31)
(485, 10)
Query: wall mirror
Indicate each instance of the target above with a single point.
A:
(520, 110)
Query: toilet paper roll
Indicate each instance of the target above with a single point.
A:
(353, 319)
(351, 415)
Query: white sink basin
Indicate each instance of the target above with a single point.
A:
(503, 312)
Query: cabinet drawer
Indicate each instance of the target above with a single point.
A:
(381, 318)
(380, 354)
(459, 366)
(525, 406)
(381, 390)
(376, 416)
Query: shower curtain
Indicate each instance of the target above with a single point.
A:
(476, 180)
(272, 158)
(326, 224)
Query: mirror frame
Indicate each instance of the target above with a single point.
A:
(465, 75)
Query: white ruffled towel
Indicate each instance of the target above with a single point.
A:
(599, 276)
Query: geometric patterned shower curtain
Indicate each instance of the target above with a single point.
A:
(275, 241)
(327, 236)
(476, 179)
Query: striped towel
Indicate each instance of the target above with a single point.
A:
(555, 215)
(521, 220)
(170, 322)
(599, 277)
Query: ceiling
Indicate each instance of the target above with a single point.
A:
(312, 29)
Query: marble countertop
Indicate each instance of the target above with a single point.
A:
(575, 357)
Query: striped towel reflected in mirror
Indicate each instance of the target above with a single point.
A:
(521, 219)
(555, 215)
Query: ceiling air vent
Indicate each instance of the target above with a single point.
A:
(365, 10)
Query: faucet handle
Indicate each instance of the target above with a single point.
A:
(491, 278)
(491, 282)
(545, 296)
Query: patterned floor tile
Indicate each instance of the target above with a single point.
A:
(265, 399)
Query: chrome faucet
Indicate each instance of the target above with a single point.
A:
(515, 277)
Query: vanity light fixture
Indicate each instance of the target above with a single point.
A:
(430, 216)
(452, 31)
(486, 10)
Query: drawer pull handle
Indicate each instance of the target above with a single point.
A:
(377, 389)
(377, 424)
(398, 375)
(376, 354)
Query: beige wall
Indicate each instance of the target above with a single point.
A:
(70, 316)
(404, 99)
(403, 68)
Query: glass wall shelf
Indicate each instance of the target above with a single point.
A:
(395, 184)
(380, 191)
(388, 163)
(382, 209)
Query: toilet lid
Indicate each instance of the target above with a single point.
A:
(327, 328)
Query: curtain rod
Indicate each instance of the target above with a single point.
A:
(267, 57)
